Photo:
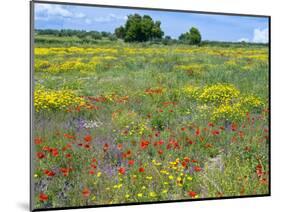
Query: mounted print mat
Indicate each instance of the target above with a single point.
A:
(134, 105)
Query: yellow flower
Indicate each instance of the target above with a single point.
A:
(171, 177)
(189, 178)
(152, 194)
(139, 194)
(219, 93)
(149, 178)
(45, 99)
(164, 191)
(98, 174)
(118, 186)
(127, 196)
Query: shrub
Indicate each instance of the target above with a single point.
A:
(55, 99)
(219, 93)
(228, 112)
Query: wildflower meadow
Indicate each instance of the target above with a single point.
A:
(117, 122)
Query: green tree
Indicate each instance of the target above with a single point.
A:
(156, 30)
(120, 32)
(139, 29)
(192, 37)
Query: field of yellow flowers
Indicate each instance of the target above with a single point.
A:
(124, 123)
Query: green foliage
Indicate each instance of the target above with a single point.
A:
(192, 37)
(120, 32)
(139, 29)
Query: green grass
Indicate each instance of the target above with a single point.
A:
(137, 95)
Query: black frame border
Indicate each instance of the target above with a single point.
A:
(31, 106)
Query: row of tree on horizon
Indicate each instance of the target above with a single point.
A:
(136, 29)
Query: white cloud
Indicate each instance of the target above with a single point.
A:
(109, 18)
(54, 10)
(46, 11)
(243, 40)
(260, 36)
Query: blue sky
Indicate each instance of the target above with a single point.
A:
(212, 27)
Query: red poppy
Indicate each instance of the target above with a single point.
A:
(105, 147)
(186, 159)
(189, 141)
(122, 170)
(68, 155)
(55, 152)
(259, 170)
(157, 134)
(127, 154)
(43, 197)
(241, 134)
(92, 172)
(158, 143)
(131, 162)
(67, 146)
(184, 164)
(208, 145)
(69, 136)
(192, 194)
(88, 138)
(38, 141)
(93, 166)
(263, 181)
(86, 192)
(119, 146)
(197, 168)
(160, 151)
(65, 171)
(144, 144)
(215, 132)
(173, 144)
(234, 127)
(210, 124)
(46, 148)
(49, 173)
(197, 132)
(141, 169)
(40, 155)
(87, 146)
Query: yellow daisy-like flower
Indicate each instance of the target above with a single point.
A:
(152, 194)
(164, 191)
(139, 195)
(189, 178)
(127, 196)
(149, 177)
